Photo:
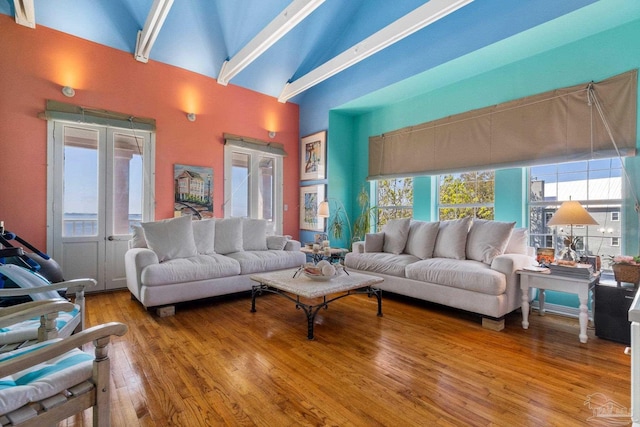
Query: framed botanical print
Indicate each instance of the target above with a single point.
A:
(310, 198)
(313, 156)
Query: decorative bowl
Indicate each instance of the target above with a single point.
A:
(319, 277)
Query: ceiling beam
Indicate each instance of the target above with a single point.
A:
(414, 21)
(147, 36)
(295, 13)
(25, 13)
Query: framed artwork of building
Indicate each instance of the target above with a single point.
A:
(313, 156)
(193, 188)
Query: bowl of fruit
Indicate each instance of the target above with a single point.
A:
(322, 271)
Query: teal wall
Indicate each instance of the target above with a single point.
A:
(593, 58)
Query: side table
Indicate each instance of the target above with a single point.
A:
(336, 253)
(544, 281)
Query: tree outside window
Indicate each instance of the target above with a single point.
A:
(394, 199)
(468, 194)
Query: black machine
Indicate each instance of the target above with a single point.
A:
(611, 312)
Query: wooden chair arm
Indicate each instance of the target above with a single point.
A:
(74, 285)
(98, 334)
(28, 310)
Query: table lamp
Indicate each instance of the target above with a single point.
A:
(570, 213)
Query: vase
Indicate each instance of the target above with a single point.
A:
(626, 273)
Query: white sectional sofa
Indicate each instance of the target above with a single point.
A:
(179, 260)
(465, 264)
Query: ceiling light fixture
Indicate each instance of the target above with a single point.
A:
(191, 117)
(68, 91)
(414, 21)
(297, 11)
(147, 36)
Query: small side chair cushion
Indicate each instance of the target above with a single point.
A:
(277, 242)
(137, 238)
(488, 239)
(44, 380)
(254, 234)
(374, 242)
(171, 238)
(422, 238)
(452, 238)
(28, 329)
(204, 233)
(396, 232)
(228, 235)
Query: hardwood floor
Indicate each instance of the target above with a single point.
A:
(215, 363)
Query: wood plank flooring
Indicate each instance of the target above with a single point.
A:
(215, 363)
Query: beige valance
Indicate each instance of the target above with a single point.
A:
(56, 110)
(574, 123)
(255, 144)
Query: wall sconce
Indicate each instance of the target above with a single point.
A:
(191, 117)
(272, 134)
(68, 91)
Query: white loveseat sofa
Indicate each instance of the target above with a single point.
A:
(179, 260)
(465, 264)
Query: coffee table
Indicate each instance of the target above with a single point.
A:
(293, 285)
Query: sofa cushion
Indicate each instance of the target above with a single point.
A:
(269, 260)
(199, 267)
(518, 242)
(228, 236)
(204, 233)
(452, 238)
(373, 242)
(380, 262)
(276, 242)
(254, 234)
(464, 274)
(395, 235)
(170, 238)
(488, 239)
(422, 238)
(137, 237)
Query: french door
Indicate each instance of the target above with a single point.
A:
(100, 183)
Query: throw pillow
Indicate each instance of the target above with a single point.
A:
(422, 238)
(204, 232)
(518, 242)
(137, 239)
(171, 238)
(396, 232)
(228, 238)
(373, 242)
(488, 239)
(452, 238)
(254, 234)
(276, 242)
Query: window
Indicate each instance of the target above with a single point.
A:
(253, 185)
(596, 184)
(468, 194)
(394, 199)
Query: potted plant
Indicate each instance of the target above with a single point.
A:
(626, 268)
(362, 224)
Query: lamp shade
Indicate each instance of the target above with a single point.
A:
(571, 213)
(323, 209)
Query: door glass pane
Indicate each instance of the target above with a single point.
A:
(266, 182)
(240, 185)
(80, 182)
(127, 182)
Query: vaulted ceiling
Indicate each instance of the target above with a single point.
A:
(245, 43)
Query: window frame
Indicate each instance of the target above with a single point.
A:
(475, 206)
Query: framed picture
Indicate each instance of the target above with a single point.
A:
(313, 156)
(193, 191)
(310, 198)
(545, 256)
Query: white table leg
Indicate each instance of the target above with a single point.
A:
(541, 296)
(584, 318)
(524, 285)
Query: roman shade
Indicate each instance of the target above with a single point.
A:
(568, 124)
(56, 110)
(255, 144)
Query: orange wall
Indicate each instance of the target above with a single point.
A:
(36, 63)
